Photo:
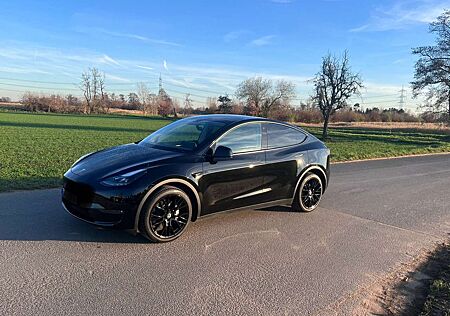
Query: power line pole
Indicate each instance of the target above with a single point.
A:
(160, 84)
(402, 97)
(187, 103)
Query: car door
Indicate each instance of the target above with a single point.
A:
(286, 156)
(237, 181)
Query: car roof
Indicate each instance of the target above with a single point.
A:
(227, 118)
(236, 119)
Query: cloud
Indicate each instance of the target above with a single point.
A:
(402, 15)
(223, 83)
(67, 65)
(231, 76)
(24, 70)
(374, 88)
(262, 41)
(138, 37)
(145, 67)
(108, 60)
(108, 76)
(184, 82)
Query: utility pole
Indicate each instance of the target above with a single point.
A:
(402, 97)
(160, 85)
(187, 102)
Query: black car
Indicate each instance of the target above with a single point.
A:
(194, 167)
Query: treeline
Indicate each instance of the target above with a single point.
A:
(311, 114)
(34, 102)
(96, 99)
(255, 96)
(166, 106)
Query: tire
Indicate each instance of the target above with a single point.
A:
(309, 193)
(166, 215)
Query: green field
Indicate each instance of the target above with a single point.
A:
(36, 149)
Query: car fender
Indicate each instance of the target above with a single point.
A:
(159, 185)
(305, 171)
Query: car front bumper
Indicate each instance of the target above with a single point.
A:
(103, 208)
(93, 215)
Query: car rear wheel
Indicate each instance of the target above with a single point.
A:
(309, 193)
(166, 215)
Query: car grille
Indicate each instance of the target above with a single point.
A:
(77, 194)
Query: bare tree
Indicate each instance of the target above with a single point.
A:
(334, 84)
(211, 106)
(56, 103)
(103, 102)
(143, 93)
(153, 103)
(133, 101)
(432, 70)
(283, 91)
(30, 101)
(254, 90)
(263, 94)
(93, 87)
(72, 100)
(175, 106)
(85, 86)
(165, 107)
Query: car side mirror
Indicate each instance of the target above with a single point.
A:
(223, 153)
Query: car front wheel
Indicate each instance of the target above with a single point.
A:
(309, 193)
(166, 215)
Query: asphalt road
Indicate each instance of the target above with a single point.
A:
(375, 216)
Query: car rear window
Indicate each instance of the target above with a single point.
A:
(279, 135)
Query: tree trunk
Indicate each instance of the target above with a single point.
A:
(325, 127)
(448, 113)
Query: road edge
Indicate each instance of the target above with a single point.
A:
(389, 158)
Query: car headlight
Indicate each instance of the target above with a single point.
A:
(123, 179)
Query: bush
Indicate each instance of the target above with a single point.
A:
(308, 116)
(347, 116)
(283, 113)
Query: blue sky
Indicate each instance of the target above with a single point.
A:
(208, 47)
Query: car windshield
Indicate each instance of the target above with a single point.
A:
(186, 134)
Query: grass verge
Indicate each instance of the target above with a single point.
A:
(420, 287)
(36, 149)
(438, 299)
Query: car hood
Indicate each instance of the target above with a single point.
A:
(112, 160)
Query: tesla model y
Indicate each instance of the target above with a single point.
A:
(195, 167)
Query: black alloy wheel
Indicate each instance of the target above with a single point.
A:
(166, 215)
(310, 192)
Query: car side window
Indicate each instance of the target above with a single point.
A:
(243, 139)
(279, 135)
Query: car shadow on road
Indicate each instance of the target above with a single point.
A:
(39, 215)
(282, 209)
(69, 229)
